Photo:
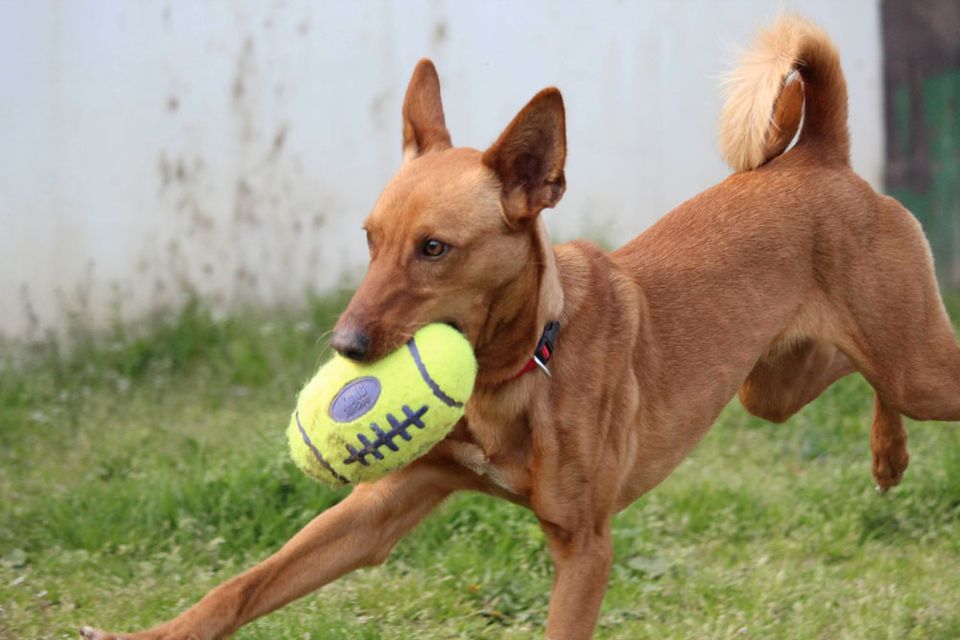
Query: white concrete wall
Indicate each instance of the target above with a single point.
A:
(233, 148)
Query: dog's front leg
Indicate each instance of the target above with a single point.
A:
(360, 531)
(582, 560)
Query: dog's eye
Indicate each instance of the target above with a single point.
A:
(370, 245)
(432, 248)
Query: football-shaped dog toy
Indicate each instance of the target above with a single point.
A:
(355, 422)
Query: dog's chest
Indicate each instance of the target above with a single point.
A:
(497, 420)
(499, 427)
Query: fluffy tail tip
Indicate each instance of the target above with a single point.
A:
(764, 97)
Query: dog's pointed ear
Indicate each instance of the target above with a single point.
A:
(529, 156)
(424, 127)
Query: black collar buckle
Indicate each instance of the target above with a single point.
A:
(544, 350)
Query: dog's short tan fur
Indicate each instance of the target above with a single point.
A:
(776, 282)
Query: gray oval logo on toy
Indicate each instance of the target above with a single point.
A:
(355, 399)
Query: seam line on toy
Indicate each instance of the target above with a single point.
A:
(385, 438)
(316, 453)
(437, 391)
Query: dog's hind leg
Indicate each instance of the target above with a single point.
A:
(896, 331)
(895, 328)
(789, 377)
(888, 442)
(922, 381)
(921, 377)
(782, 383)
(911, 358)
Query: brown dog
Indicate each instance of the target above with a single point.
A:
(777, 282)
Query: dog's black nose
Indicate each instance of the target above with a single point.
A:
(351, 343)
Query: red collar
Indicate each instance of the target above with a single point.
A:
(542, 354)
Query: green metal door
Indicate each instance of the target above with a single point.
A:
(922, 72)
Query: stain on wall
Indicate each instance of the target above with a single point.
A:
(231, 149)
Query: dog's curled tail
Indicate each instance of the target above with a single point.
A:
(792, 71)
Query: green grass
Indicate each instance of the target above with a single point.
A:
(141, 469)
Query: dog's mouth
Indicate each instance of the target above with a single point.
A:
(451, 323)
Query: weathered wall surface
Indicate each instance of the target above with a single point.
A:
(232, 149)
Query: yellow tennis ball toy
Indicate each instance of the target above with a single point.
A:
(355, 422)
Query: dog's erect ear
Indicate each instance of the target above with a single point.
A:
(529, 155)
(424, 128)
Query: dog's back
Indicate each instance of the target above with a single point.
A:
(795, 259)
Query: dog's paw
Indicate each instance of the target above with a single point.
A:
(89, 633)
(889, 466)
(163, 632)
